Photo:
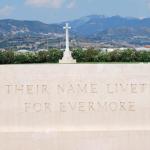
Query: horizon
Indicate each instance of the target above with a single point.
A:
(53, 11)
(80, 17)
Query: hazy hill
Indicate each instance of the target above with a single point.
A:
(17, 26)
(94, 27)
(95, 24)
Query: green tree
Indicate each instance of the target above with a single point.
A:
(21, 58)
(143, 56)
(78, 54)
(54, 55)
(91, 55)
(7, 57)
(102, 56)
(129, 55)
(114, 56)
(42, 56)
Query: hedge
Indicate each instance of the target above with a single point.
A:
(82, 56)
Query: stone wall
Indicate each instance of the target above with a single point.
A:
(75, 107)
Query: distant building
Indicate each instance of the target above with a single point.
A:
(2, 50)
(23, 51)
(42, 50)
(110, 49)
(84, 48)
(143, 49)
(147, 46)
(25, 46)
(113, 49)
(103, 49)
(124, 48)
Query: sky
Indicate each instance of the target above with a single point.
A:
(52, 11)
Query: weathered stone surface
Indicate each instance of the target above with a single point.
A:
(69, 107)
(90, 140)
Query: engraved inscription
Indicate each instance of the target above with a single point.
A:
(81, 106)
(26, 89)
(77, 88)
(133, 88)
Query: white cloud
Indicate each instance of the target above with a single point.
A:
(57, 3)
(37, 2)
(45, 3)
(148, 3)
(71, 4)
(51, 3)
(6, 10)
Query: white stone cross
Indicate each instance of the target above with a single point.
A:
(67, 57)
(67, 36)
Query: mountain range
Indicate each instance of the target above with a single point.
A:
(93, 27)
(10, 26)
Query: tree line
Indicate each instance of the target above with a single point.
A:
(82, 56)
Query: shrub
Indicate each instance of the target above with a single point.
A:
(22, 58)
(54, 55)
(78, 54)
(42, 56)
(143, 56)
(90, 55)
(7, 57)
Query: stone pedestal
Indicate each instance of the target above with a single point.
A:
(67, 58)
(75, 107)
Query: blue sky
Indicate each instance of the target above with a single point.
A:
(51, 11)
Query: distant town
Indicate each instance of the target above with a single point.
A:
(44, 43)
(95, 31)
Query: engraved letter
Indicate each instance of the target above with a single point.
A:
(9, 88)
(27, 106)
(62, 107)
(131, 106)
